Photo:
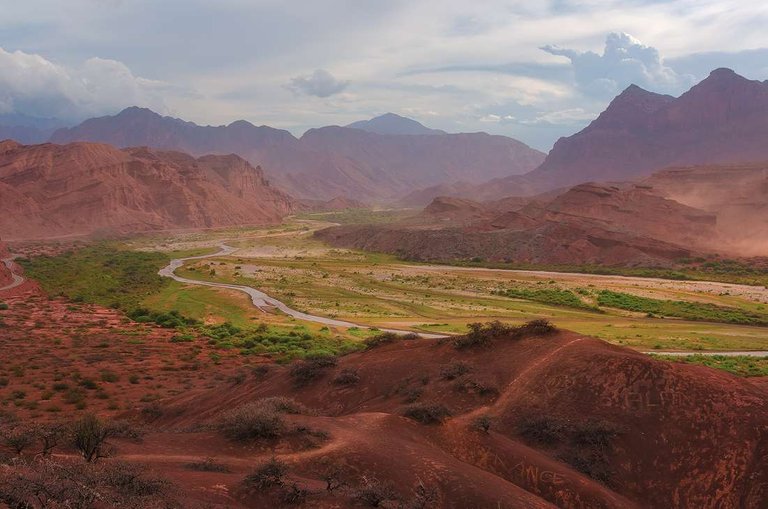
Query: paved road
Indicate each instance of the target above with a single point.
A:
(17, 279)
(260, 299)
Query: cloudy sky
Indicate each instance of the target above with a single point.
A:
(533, 69)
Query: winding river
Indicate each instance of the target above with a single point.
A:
(264, 302)
(17, 279)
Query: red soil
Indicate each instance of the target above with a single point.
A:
(45, 342)
(686, 436)
(678, 436)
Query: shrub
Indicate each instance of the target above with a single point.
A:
(586, 446)
(454, 370)
(125, 429)
(284, 405)
(293, 494)
(472, 386)
(311, 369)
(89, 437)
(347, 377)
(207, 465)
(427, 413)
(373, 493)
(268, 475)
(538, 327)
(47, 483)
(483, 334)
(131, 481)
(252, 421)
(542, 429)
(50, 435)
(482, 423)
(18, 439)
(380, 339)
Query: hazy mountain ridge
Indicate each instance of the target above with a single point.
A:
(326, 162)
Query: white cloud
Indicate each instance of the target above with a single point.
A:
(320, 83)
(625, 60)
(244, 55)
(35, 86)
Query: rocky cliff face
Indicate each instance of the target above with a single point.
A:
(722, 119)
(82, 188)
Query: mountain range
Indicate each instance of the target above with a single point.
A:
(376, 160)
(721, 120)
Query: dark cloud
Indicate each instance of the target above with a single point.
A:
(320, 83)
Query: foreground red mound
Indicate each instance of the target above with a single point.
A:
(83, 188)
(550, 419)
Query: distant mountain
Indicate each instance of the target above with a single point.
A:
(390, 123)
(27, 129)
(141, 127)
(81, 188)
(326, 162)
(24, 134)
(723, 119)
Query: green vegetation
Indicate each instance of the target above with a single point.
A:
(281, 342)
(482, 334)
(359, 216)
(100, 274)
(679, 309)
(719, 270)
(742, 365)
(553, 296)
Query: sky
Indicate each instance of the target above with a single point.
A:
(533, 70)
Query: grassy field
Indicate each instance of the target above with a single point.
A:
(745, 366)
(381, 291)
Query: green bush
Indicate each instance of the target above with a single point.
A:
(553, 296)
(100, 274)
(679, 309)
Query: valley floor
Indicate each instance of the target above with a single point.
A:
(380, 291)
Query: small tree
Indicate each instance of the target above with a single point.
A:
(89, 437)
(50, 435)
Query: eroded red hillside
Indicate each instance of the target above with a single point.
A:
(82, 188)
(571, 422)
